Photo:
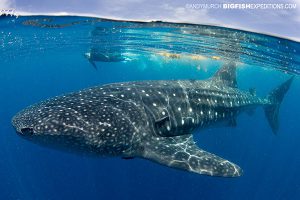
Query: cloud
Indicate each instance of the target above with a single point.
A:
(172, 11)
(297, 15)
(183, 14)
(7, 4)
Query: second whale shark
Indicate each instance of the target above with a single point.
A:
(154, 120)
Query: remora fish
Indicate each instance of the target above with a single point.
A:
(149, 119)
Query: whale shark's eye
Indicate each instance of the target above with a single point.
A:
(27, 131)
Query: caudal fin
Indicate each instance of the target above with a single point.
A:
(276, 97)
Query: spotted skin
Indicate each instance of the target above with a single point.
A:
(149, 119)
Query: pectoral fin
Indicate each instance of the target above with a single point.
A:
(232, 122)
(93, 64)
(181, 152)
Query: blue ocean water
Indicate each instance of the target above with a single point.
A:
(45, 56)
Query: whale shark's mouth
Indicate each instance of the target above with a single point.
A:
(16, 123)
(22, 121)
(27, 131)
(22, 129)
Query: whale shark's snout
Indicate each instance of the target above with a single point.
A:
(23, 122)
(43, 119)
(49, 125)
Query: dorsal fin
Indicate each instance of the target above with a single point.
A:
(252, 91)
(226, 75)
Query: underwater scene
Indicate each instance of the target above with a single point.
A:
(94, 108)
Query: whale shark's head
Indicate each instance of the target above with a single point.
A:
(83, 122)
(34, 121)
(54, 126)
(87, 55)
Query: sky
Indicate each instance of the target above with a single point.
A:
(285, 22)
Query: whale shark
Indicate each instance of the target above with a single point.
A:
(96, 55)
(154, 120)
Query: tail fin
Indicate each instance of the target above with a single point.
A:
(276, 97)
